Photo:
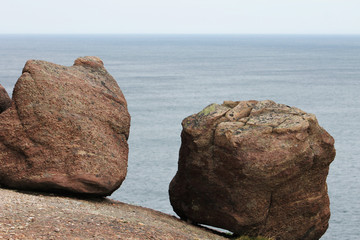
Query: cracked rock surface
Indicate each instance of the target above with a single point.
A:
(66, 130)
(254, 168)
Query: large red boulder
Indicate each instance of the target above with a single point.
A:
(66, 130)
(254, 168)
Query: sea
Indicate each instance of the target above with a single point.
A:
(166, 78)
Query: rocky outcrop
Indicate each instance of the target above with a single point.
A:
(255, 168)
(50, 216)
(5, 101)
(66, 130)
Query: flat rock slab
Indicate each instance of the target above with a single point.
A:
(254, 168)
(35, 216)
(66, 130)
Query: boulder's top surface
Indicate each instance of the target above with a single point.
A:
(244, 115)
(67, 129)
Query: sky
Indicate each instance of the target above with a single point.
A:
(180, 17)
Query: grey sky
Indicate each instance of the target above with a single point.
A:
(181, 16)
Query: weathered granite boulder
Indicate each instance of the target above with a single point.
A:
(255, 168)
(67, 130)
(5, 101)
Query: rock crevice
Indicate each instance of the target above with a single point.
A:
(5, 101)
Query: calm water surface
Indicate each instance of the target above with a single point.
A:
(167, 78)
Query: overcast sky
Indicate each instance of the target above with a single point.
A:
(181, 16)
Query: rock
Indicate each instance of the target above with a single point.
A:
(5, 101)
(254, 168)
(67, 130)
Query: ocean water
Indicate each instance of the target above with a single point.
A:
(166, 78)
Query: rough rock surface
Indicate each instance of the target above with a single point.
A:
(66, 130)
(255, 168)
(35, 216)
(5, 101)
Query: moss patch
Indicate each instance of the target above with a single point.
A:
(208, 110)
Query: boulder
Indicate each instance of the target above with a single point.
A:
(254, 168)
(5, 101)
(67, 130)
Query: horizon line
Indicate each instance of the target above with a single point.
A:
(287, 34)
